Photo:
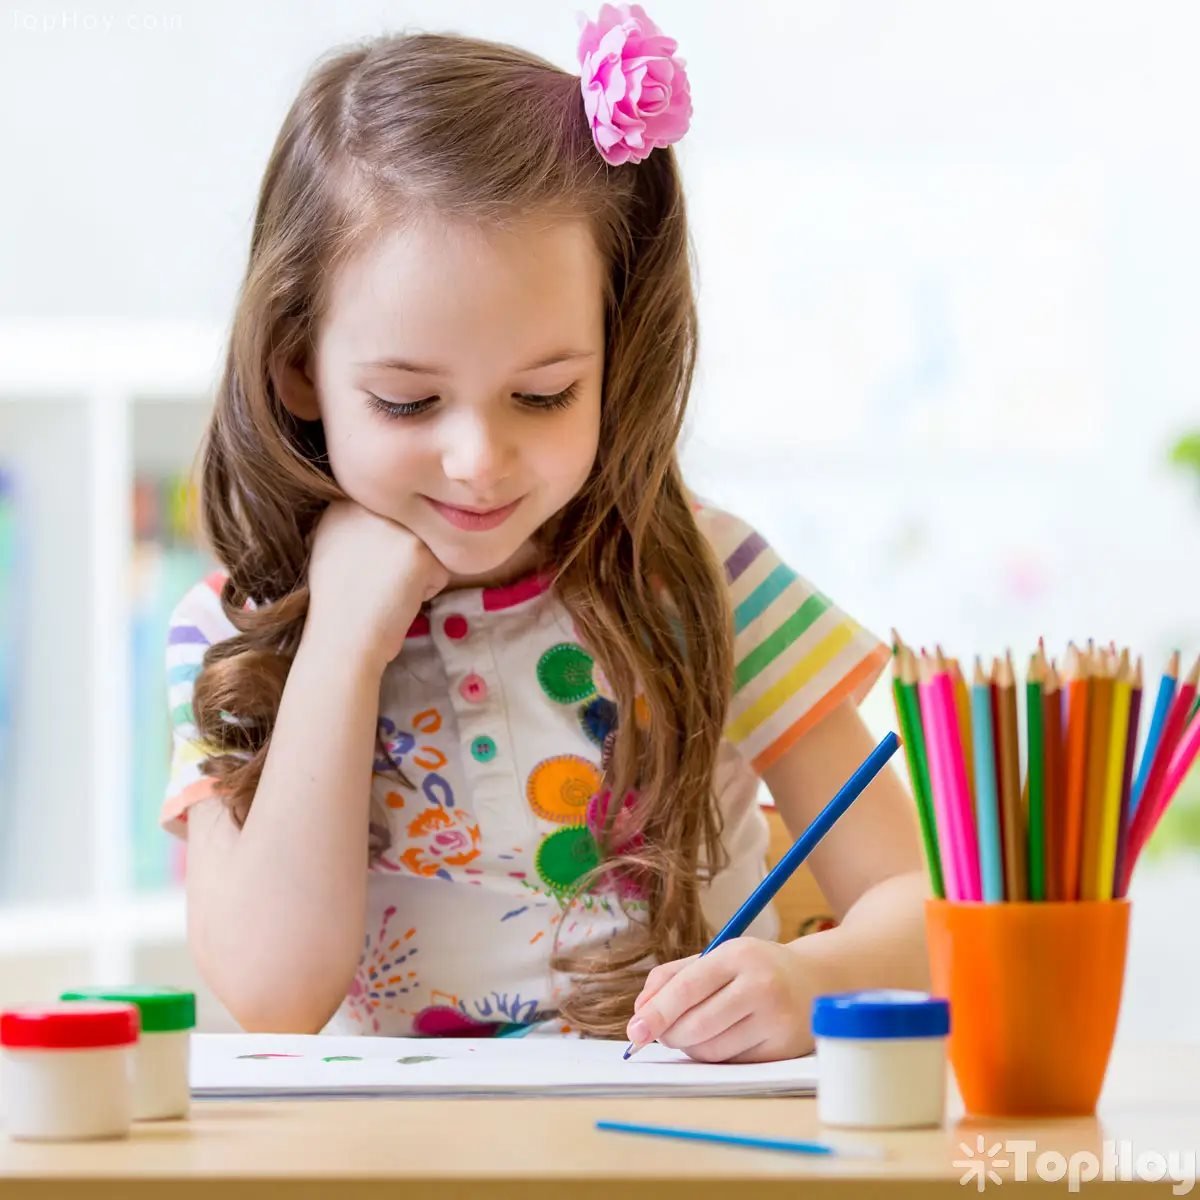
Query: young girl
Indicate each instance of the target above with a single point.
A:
(469, 730)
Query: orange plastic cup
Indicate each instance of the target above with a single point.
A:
(1034, 991)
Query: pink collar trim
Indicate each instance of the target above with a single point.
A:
(495, 599)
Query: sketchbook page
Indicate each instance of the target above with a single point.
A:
(310, 1065)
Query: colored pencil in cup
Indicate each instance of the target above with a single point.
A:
(1077, 688)
(962, 706)
(1125, 814)
(1114, 777)
(1184, 757)
(1155, 798)
(987, 810)
(1099, 730)
(956, 779)
(1167, 685)
(908, 713)
(950, 833)
(1036, 776)
(1052, 744)
(1008, 778)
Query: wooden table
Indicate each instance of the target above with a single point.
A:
(527, 1149)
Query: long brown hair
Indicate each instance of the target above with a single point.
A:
(475, 131)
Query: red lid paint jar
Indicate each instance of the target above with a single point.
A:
(66, 1070)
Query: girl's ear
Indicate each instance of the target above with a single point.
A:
(296, 390)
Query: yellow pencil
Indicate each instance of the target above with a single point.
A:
(1099, 725)
(1111, 814)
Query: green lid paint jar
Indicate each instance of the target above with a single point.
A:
(160, 1077)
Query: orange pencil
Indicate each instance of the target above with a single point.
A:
(1099, 738)
(1077, 681)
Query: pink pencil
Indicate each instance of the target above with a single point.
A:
(1181, 760)
(950, 837)
(1154, 797)
(960, 788)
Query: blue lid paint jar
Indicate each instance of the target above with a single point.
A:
(882, 1057)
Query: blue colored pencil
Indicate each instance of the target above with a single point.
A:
(987, 811)
(789, 1145)
(803, 846)
(1166, 693)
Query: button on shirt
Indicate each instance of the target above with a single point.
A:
(495, 713)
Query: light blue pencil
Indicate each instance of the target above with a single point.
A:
(788, 1145)
(1166, 693)
(987, 812)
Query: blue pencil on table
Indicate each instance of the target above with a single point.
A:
(788, 1145)
(802, 848)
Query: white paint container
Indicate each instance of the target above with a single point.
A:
(882, 1057)
(66, 1070)
(160, 1076)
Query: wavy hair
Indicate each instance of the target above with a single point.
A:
(407, 125)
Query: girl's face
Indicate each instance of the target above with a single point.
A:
(458, 372)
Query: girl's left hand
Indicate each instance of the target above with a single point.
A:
(748, 1001)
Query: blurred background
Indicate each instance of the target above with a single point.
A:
(947, 259)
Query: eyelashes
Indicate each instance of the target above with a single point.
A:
(414, 408)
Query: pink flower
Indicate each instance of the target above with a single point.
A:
(635, 90)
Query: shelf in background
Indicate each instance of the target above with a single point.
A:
(158, 359)
(80, 924)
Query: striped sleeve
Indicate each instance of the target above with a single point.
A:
(797, 656)
(197, 622)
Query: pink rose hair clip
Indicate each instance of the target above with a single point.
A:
(635, 88)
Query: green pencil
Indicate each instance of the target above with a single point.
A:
(1037, 779)
(908, 713)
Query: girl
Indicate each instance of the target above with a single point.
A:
(468, 731)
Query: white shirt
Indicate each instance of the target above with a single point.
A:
(496, 712)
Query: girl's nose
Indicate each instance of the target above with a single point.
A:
(479, 454)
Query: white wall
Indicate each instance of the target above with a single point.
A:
(948, 262)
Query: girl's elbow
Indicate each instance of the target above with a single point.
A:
(279, 1014)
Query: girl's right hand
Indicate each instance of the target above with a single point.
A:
(367, 578)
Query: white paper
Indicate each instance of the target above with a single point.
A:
(528, 1066)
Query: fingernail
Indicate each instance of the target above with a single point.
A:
(639, 1031)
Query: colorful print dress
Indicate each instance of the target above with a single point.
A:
(497, 715)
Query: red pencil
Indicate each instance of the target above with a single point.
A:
(1154, 797)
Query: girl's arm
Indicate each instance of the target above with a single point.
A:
(752, 999)
(869, 867)
(276, 911)
(876, 838)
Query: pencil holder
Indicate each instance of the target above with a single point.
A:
(1034, 991)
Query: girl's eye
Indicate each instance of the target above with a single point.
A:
(391, 408)
(558, 400)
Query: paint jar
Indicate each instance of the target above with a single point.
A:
(160, 1076)
(882, 1059)
(66, 1070)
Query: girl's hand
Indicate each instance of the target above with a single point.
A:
(367, 578)
(747, 1001)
